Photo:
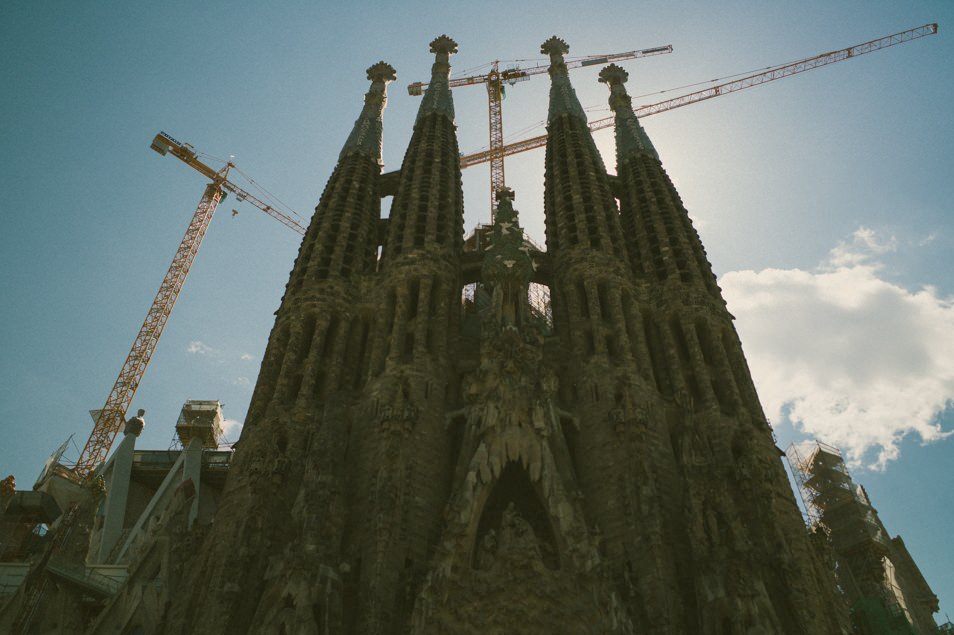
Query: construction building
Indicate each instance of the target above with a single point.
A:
(880, 581)
(71, 548)
(459, 436)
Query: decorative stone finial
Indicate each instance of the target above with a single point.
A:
(382, 72)
(631, 139)
(438, 98)
(563, 99)
(614, 75)
(443, 44)
(365, 137)
(135, 424)
(555, 46)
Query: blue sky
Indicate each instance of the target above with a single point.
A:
(824, 199)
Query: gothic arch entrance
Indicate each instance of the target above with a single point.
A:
(514, 523)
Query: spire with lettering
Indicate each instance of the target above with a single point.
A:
(342, 239)
(341, 244)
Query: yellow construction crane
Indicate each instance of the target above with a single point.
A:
(110, 419)
(495, 80)
(750, 81)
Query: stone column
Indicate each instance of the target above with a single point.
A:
(118, 489)
(192, 469)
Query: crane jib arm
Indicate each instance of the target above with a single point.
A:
(164, 144)
(807, 64)
(514, 75)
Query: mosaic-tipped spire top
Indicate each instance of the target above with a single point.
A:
(556, 48)
(562, 96)
(382, 72)
(443, 45)
(366, 136)
(437, 98)
(631, 139)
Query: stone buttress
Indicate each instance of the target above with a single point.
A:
(744, 559)
(273, 559)
(400, 446)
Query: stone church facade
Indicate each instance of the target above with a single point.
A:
(415, 463)
(410, 465)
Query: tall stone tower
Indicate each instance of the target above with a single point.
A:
(412, 463)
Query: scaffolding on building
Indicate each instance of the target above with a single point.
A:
(831, 498)
(866, 556)
(202, 419)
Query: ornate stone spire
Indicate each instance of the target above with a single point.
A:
(661, 241)
(578, 204)
(438, 97)
(365, 137)
(562, 96)
(631, 139)
(428, 207)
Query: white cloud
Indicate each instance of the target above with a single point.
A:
(864, 245)
(247, 357)
(198, 348)
(850, 358)
(245, 382)
(231, 430)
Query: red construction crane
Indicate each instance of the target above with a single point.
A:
(110, 419)
(495, 80)
(715, 91)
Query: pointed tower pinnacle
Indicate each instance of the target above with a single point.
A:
(631, 139)
(660, 239)
(341, 239)
(578, 204)
(365, 137)
(428, 207)
(438, 96)
(562, 96)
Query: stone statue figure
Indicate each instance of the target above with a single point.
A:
(487, 551)
(516, 534)
(136, 424)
